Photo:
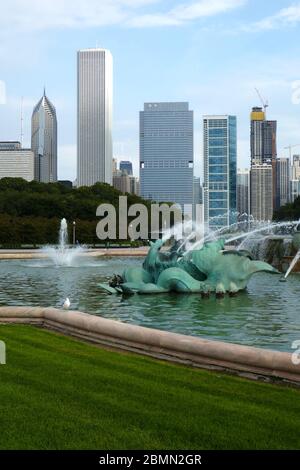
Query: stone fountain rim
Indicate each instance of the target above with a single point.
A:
(246, 361)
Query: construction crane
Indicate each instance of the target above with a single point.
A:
(264, 102)
(290, 148)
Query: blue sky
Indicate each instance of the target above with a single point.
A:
(212, 53)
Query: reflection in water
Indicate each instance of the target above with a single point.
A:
(266, 315)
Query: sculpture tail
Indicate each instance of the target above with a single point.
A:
(261, 266)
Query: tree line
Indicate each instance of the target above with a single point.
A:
(290, 211)
(30, 212)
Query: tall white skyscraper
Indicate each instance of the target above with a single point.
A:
(94, 116)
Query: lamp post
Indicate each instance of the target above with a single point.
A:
(74, 232)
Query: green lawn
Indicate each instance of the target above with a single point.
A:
(59, 393)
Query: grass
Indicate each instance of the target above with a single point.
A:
(59, 393)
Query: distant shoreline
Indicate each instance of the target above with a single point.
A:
(92, 252)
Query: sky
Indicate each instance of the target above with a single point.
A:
(211, 53)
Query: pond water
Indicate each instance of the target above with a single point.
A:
(266, 315)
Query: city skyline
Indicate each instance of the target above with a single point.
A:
(242, 37)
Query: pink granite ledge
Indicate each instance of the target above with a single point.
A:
(195, 351)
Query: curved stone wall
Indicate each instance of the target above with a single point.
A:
(242, 360)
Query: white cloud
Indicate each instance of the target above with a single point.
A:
(186, 12)
(286, 17)
(204, 8)
(38, 15)
(34, 15)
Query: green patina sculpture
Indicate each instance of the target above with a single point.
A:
(208, 269)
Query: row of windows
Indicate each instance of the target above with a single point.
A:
(218, 186)
(218, 160)
(167, 164)
(213, 142)
(217, 123)
(166, 134)
(218, 204)
(220, 195)
(217, 178)
(217, 133)
(213, 213)
(215, 169)
(218, 151)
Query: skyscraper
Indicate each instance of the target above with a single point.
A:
(294, 189)
(16, 162)
(134, 185)
(198, 196)
(44, 140)
(243, 192)
(295, 170)
(121, 181)
(262, 192)
(167, 153)
(127, 166)
(263, 136)
(282, 181)
(94, 116)
(220, 161)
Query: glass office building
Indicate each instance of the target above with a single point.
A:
(167, 153)
(220, 169)
(126, 166)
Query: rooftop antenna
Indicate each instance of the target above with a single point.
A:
(21, 135)
(265, 103)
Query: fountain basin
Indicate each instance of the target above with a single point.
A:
(265, 315)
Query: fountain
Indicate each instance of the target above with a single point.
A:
(296, 246)
(276, 243)
(220, 262)
(63, 255)
(292, 265)
(208, 269)
(255, 311)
